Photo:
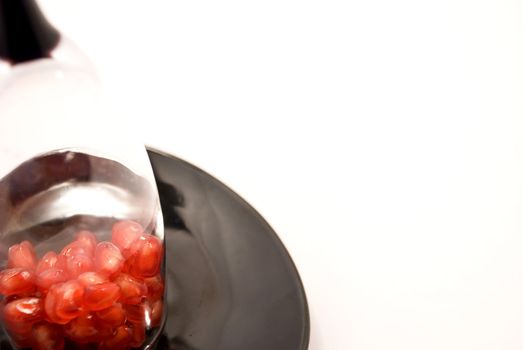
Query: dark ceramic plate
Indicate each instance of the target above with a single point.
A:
(231, 283)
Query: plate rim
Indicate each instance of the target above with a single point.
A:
(305, 341)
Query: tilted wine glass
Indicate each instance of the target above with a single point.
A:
(81, 230)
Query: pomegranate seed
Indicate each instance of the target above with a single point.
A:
(112, 316)
(119, 340)
(155, 287)
(47, 336)
(83, 329)
(22, 340)
(91, 278)
(23, 311)
(87, 241)
(19, 328)
(156, 313)
(22, 255)
(137, 335)
(19, 316)
(78, 264)
(74, 248)
(70, 250)
(124, 233)
(46, 279)
(64, 301)
(146, 256)
(90, 266)
(16, 281)
(132, 289)
(48, 261)
(101, 296)
(139, 313)
(108, 258)
(50, 310)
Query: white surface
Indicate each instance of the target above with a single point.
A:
(383, 140)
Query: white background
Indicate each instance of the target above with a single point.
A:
(383, 140)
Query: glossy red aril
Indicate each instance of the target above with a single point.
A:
(73, 249)
(155, 287)
(146, 256)
(23, 311)
(156, 313)
(84, 329)
(100, 296)
(48, 261)
(137, 335)
(119, 340)
(108, 259)
(78, 264)
(91, 278)
(49, 277)
(47, 336)
(87, 241)
(103, 295)
(138, 313)
(50, 303)
(19, 329)
(112, 316)
(124, 233)
(64, 301)
(22, 255)
(133, 291)
(22, 340)
(19, 316)
(16, 281)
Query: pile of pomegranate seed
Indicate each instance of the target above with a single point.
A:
(106, 294)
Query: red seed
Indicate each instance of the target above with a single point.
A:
(22, 340)
(47, 278)
(78, 264)
(137, 335)
(13, 316)
(22, 255)
(48, 261)
(124, 233)
(132, 290)
(101, 296)
(91, 278)
(47, 336)
(23, 311)
(119, 340)
(83, 329)
(64, 301)
(74, 248)
(108, 259)
(111, 317)
(18, 317)
(156, 313)
(70, 250)
(155, 287)
(50, 310)
(87, 241)
(146, 256)
(19, 329)
(16, 281)
(139, 313)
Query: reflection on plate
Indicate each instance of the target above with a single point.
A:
(231, 283)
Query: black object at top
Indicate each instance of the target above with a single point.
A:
(25, 34)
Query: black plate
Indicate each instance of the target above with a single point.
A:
(231, 283)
